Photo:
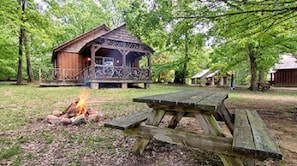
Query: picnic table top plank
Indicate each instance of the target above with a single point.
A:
(204, 100)
(243, 136)
(263, 141)
(251, 136)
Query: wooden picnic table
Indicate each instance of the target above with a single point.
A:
(207, 107)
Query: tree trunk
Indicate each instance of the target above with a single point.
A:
(184, 72)
(261, 74)
(253, 68)
(28, 59)
(21, 36)
(177, 77)
(20, 61)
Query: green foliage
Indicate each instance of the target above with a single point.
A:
(178, 30)
(232, 25)
(155, 22)
(257, 25)
(58, 22)
(8, 39)
(77, 17)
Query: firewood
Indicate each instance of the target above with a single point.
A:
(78, 120)
(72, 105)
(72, 112)
(91, 111)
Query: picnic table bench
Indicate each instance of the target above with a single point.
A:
(263, 86)
(250, 137)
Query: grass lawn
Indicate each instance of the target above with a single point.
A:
(26, 139)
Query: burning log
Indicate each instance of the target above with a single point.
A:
(76, 113)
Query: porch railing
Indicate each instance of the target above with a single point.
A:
(58, 74)
(101, 72)
(118, 72)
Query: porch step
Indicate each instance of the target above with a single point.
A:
(61, 84)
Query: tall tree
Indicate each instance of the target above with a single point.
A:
(9, 30)
(262, 37)
(41, 26)
(22, 4)
(237, 22)
(77, 17)
(28, 57)
(154, 22)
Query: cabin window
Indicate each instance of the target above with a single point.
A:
(99, 60)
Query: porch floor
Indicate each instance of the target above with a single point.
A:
(61, 84)
(97, 84)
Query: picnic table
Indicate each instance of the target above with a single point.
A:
(263, 86)
(250, 137)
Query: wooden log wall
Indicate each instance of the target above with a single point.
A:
(286, 78)
(71, 62)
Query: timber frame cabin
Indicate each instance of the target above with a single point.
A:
(103, 58)
(284, 73)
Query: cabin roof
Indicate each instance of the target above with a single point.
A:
(287, 61)
(212, 74)
(201, 74)
(119, 33)
(207, 73)
(109, 34)
(101, 27)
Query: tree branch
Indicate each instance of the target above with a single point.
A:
(240, 13)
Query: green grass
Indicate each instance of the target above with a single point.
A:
(26, 105)
(11, 151)
(20, 105)
(23, 108)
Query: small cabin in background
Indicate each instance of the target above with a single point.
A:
(284, 73)
(100, 58)
(210, 78)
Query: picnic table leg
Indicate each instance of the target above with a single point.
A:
(154, 119)
(227, 117)
(210, 126)
(175, 119)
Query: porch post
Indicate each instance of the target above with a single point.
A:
(94, 84)
(93, 50)
(124, 56)
(149, 64)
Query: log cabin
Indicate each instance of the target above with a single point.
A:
(102, 58)
(284, 73)
(210, 78)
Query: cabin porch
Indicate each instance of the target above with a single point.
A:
(105, 76)
(103, 57)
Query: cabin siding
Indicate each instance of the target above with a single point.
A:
(71, 62)
(286, 78)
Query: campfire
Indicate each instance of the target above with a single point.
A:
(76, 113)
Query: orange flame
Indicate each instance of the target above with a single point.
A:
(81, 104)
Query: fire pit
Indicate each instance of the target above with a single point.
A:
(76, 113)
